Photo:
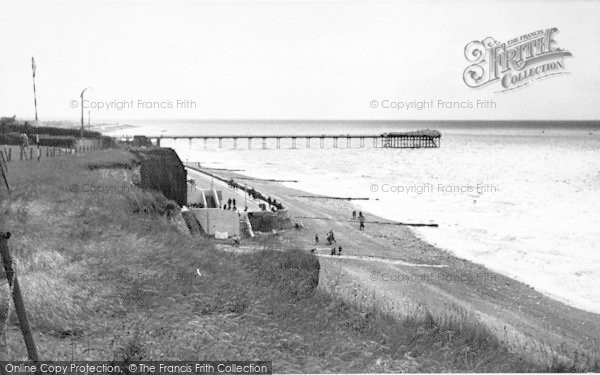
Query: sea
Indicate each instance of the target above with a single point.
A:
(521, 198)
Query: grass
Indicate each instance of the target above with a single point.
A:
(107, 276)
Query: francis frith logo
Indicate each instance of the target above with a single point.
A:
(514, 63)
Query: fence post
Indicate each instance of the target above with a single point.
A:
(4, 171)
(13, 283)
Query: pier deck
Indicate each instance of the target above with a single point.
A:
(412, 139)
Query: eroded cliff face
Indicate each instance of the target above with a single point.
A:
(161, 169)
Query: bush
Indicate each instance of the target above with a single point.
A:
(11, 125)
(10, 139)
(56, 141)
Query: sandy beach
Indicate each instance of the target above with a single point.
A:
(403, 273)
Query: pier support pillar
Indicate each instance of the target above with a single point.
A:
(307, 142)
(235, 143)
(322, 142)
(220, 142)
(335, 142)
(158, 141)
(348, 142)
(205, 140)
(293, 142)
(278, 142)
(264, 143)
(249, 143)
(362, 142)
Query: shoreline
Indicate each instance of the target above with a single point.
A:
(559, 298)
(513, 310)
(422, 236)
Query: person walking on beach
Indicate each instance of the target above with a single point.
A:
(333, 250)
(317, 238)
(353, 215)
(340, 250)
(361, 219)
(331, 236)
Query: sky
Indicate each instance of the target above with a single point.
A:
(285, 59)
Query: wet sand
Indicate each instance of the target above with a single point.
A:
(400, 269)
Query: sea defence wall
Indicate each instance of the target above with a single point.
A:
(214, 220)
(266, 221)
(202, 198)
(196, 196)
(162, 170)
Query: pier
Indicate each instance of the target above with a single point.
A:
(412, 139)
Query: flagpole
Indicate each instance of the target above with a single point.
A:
(34, 93)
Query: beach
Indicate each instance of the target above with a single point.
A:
(405, 273)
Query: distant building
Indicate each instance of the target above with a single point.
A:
(141, 141)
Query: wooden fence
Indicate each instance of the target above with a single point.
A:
(37, 153)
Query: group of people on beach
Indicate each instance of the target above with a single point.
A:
(334, 250)
(256, 195)
(339, 250)
(330, 238)
(231, 205)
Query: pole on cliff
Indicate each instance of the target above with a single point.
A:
(33, 68)
(81, 95)
(13, 284)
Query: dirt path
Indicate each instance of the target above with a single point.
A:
(401, 269)
(382, 260)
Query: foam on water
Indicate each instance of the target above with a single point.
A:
(535, 217)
